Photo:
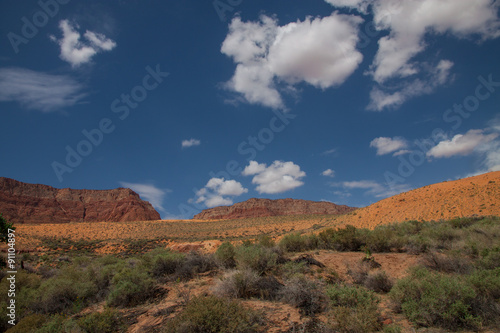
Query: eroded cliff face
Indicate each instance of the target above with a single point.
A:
(267, 207)
(35, 203)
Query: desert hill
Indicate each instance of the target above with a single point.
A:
(266, 207)
(478, 195)
(35, 203)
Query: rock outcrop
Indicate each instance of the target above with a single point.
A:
(35, 203)
(267, 207)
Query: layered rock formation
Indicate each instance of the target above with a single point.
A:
(35, 203)
(267, 207)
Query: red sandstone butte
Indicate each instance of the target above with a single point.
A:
(267, 207)
(35, 203)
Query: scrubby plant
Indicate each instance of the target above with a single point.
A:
(434, 299)
(108, 321)
(296, 242)
(304, 294)
(130, 287)
(346, 239)
(266, 241)
(378, 282)
(247, 284)
(165, 262)
(355, 309)
(454, 263)
(194, 263)
(256, 257)
(225, 254)
(210, 314)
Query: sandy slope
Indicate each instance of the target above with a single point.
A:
(479, 195)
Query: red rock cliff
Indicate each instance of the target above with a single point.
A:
(35, 203)
(267, 207)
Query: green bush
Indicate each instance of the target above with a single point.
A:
(130, 287)
(378, 282)
(27, 324)
(256, 257)
(490, 258)
(454, 263)
(59, 324)
(108, 321)
(296, 242)
(210, 314)
(247, 284)
(266, 241)
(304, 294)
(381, 239)
(166, 263)
(351, 296)
(194, 263)
(433, 299)
(347, 239)
(225, 255)
(355, 309)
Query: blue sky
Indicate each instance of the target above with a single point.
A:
(198, 104)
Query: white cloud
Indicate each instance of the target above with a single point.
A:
(328, 173)
(276, 178)
(374, 188)
(76, 51)
(190, 143)
(38, 91)
(409, 23)
(461, 144)
(149, 193)
(383, 98)
(329, 152)
(387, 145)
(217, 190)
(412, 20)
(267, 55)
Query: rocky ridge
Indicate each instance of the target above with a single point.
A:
(266, 207)
(35, 203)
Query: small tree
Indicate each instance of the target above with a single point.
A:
(4, 229)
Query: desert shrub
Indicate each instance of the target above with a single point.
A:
(378, 282)
(195, 263)
(108, 321)
(225, 255)
(292, 268)
(59, 324)
(447, 263)
(255, 257)
(247, 284)
(304, 294)
(490, 258)
(347, 239)
(351, 296)
(355, 309)
(355, 320)
(487, 301)
(417, 244)
(166, 263)
(465, 222)
(210, 314)
(66, 292)
(380, 239)
(359, 272)
(433, 299)
(392, 328)
(130, 287)
(266, 241)
(27, 324)
(297, 242)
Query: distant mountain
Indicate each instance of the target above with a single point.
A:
(35, 203)
(478, 195)
(267, 207)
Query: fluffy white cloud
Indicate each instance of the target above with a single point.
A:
(38, 91)
(217, 190)
(328, 173)
(461, 144)
(276, 178)
(268, 54)
(408, 23)
(387, 145)
(190, 143)
(149, 193)
(76, 51)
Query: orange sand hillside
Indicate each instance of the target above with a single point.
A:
(478, 195)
